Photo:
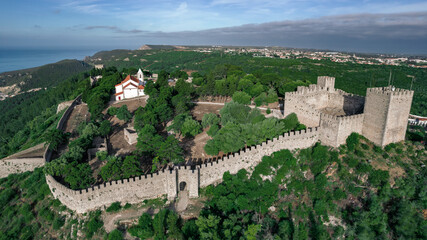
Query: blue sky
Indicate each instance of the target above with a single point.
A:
(131, 23)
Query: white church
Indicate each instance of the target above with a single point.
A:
(131, 87)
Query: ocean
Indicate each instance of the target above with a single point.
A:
(17, 59)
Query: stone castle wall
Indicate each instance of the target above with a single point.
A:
(19, 165)
(334, 130)
(166, 183)
(381, 117)
(248, 158)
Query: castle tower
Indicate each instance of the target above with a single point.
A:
(326, 82)
(140, 76)
(386, 114)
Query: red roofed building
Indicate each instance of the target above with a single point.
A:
(130, 87)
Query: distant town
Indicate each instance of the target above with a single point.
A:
(371, 59)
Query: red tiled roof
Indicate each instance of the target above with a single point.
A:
(129, 77)
(130, 84)
(140, 87)
(118, 93)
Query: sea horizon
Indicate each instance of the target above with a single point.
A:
(18, 59)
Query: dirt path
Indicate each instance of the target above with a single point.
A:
(110, 219)
(182, 202)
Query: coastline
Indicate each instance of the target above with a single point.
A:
(22, 59)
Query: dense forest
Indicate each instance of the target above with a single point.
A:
(45, 76)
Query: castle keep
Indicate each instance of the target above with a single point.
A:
(381, 116)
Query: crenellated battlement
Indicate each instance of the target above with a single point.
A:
(326, 82)
(391, 90)
(302, 90)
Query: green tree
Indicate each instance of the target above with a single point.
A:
(112, 170)
(170, 151)
(148, 139)
(209, 119)
(252, 231)
(144, 229)
(209, 227)
(131, 167)
(124, 114)
(55, 138)
(190, 127)
(242, 98)
(104, 128)
(80, 176)
(272, 96)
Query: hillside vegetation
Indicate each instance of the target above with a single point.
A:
(45, 76)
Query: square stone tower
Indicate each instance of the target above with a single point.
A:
(326, 82)
(386, 114)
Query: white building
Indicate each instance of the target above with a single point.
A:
(130, 87)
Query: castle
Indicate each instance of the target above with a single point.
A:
(330, 115)
(381, 116)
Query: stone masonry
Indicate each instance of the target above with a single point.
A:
(381, 116)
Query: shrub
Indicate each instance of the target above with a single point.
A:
(112, 111)
(352, 141)
(365, 146)
(58, 222)
(115, 235)
(378, 149)
(114, 207)
(339, 194)
(93, 224)
(268, 111)
(378, 177)
(351, 161)
(101, 155)
(127, 206)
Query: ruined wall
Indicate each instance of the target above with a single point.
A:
(19, 165)
(212, 172)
